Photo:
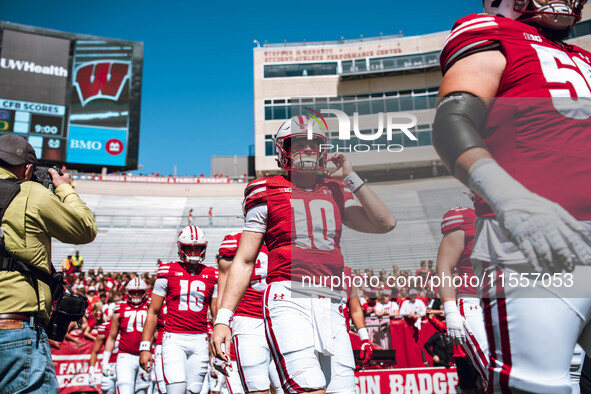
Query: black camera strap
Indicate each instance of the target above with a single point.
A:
(9, 189)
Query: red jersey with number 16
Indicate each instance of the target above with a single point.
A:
(539, 126)
(131, 325)
(188, 296)
(303, 226)
(251, 304)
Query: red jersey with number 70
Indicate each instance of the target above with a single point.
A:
(539, 126)
(251, 304)
(131, 325)
(303, 226)
(188, 294)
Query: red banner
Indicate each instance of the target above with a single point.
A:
(407, 381)
(71, 364)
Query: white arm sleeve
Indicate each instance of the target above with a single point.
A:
(215, 291)
(160, 287)
(256, 219)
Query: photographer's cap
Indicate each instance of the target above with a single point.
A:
(15, 150)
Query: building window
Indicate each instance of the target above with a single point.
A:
(299, 69)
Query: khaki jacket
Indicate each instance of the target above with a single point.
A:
(32, 218)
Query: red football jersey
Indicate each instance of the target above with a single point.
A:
(188, 296)
(104, 329)
(539, 129)
(462, 219)
(303, 226)
(160, 324)
(131, 325)
(251, 304)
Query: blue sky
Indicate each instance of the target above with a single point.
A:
(197, 95)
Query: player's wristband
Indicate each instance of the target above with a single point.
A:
(363, 335)
(450, 307)
(223, 317)
(353, 182)
(145, 346)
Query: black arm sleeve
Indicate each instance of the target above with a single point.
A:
(429, 344)
(455, 130)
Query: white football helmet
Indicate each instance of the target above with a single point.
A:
(551, 14)
(192, 245)
(297, 128)
(136, 291)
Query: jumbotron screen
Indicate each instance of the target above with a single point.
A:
(75, 98)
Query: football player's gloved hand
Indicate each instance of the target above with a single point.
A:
(457, 326)
(366, 352)
(145, 376)
(91, 377)
(548, 236)
(106, 367)
(221, 366)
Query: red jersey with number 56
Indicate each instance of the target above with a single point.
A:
(188, 295)
(462, 219)
(104, 329)
(251, 304)
(303, 226)
(539, 126)
(131, 325)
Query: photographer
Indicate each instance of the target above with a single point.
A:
(31, 215)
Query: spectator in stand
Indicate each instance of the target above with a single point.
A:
(78, 262)
(115, 297)
(412, 308)
(369, 306)
(95, 319)
(395, 271)
(68, 265)
(440, 347)
(423, 268)
(92, 295)
(430, 267)
(210, 214)
(386, 307)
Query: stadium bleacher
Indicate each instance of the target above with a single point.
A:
(135, 231)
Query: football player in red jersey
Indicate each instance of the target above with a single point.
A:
(189, 289)
(299, 216)
(128, 322)
(526, 154)
(255, 364)
(463, 314)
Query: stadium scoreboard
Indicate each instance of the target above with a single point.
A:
(75, 98)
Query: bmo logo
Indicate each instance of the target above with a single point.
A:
(114, 146)
(85, 145)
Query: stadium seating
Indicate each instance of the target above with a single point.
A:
(135, 231)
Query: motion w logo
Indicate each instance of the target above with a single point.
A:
(101, 80)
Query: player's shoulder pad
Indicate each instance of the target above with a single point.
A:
(166, 269)
(258, 191)
(229, 245)
(211, 271)
(471, 34)
(458, 218)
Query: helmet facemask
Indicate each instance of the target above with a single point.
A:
(136, 296)
(193, 254)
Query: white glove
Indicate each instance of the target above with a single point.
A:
(221, 366)
(145, 376)
(91, 377)
(549, 237)
(457, 326)
(105, 366)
